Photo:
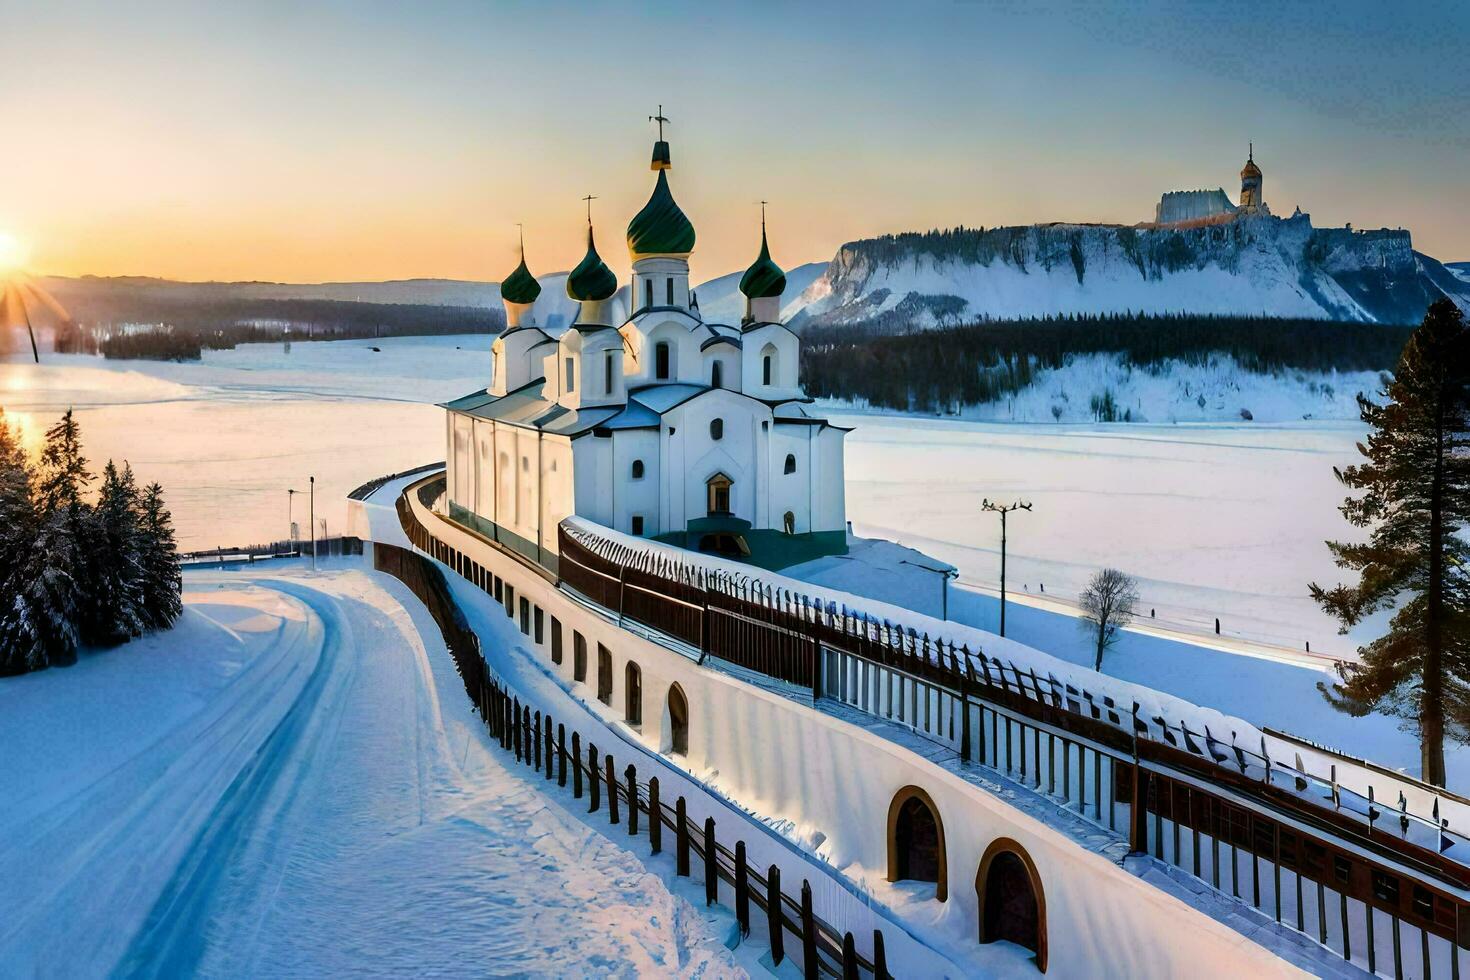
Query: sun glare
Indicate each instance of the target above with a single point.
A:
(13, 252)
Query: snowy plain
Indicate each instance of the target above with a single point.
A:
(291, 783)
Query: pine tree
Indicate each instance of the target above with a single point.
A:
(54, 578)
(115, 603)
(159, 558)
(17, 534)
(1415, 499)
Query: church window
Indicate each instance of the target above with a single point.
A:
(670, 285)
(607, 373)
(716, 374)
(633, 694)
(717, 429)
(718, 488)
(571, 375)
(638, 525)
(790, 464)
(637, 469)
(579, 657)
(678, 721)
(648, 292)
(766, 369)
(604, 675)
(661, 360)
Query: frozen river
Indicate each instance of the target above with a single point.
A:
(1220, 520)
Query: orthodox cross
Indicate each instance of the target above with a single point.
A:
(660, 119)
(521, 229)
(589, 199)
(763, 214)
(1250, 155)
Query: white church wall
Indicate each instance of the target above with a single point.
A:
(592, 471)
(784, 347)
(791, 491)
(728, 358)
(557, 491)
(636, 497)
(462, 489)
(701, 457)
(484, 432)
(640, 366)
(651, 279)
(829, 493)
(522, 364)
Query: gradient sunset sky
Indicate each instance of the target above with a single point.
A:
(355, 140)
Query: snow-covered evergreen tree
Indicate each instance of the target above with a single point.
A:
(17, 537)
(159, 557)
(115, 601)
(57, 579)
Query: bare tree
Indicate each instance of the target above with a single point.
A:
(1107, 606)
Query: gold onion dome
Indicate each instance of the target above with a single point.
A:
(660, 228)
(1250, 169)
(520, 286)
(764, 278)
(591, 281)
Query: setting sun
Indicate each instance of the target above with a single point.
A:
(13, 252)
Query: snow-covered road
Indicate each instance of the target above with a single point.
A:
(290, 784)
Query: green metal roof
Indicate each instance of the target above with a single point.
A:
(764, 277)
(591, 280)
(520, 286)
(660, 228)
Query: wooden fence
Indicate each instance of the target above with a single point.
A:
(1264, 830)
(544, 746)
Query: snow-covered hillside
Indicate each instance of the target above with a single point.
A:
(1174, 391)
(1255, 266)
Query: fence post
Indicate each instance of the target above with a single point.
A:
(681, 840)
(530, 734)
(742, 890)
(655, 816)
(507, 722)
(809, 964)
(612, 790)
(775, 918)
(577, 765)
(711, 864)
(632, 776)
(849, 958)
(880, 958)
(592, 776)
(544, 736)
(516, 728)
(561, 754)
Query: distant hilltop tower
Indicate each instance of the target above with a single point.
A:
(1250, 184)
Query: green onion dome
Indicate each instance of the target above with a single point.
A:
(764, 278)
(520, 286)
(591, 280)
(660, 228)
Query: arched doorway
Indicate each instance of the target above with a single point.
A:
(633, 694)
(1012, 904)
(916, 841)
(678, 721)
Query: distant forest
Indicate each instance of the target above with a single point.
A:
(976, 363)
(186, 328)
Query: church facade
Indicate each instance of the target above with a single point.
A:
(658, 423)
(1206, 207)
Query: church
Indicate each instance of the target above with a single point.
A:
(643, 417)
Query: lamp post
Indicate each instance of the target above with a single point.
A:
(313, 534)
(1003, 510)
(290, 518)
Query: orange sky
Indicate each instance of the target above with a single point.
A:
(375, 142)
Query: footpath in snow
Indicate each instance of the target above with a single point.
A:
(292, 783)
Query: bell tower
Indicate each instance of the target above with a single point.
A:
(1250, 183)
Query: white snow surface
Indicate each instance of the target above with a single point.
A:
(293, 783)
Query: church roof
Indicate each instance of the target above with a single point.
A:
(660, 228)
(520, 286)
(591, 280)
(1250, 169)
(764, 278)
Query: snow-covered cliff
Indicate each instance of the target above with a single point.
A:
(1255, 265)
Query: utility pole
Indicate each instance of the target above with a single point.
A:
(290, 519)
(1003, 510)
(313, 535)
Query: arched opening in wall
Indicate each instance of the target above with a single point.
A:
(637, 469)
(662, 357)
(678, 722)
(716, 429)
(579, 658)
(788, 523)
(790, 466)
(1012, 904)
(604, 675)
(718, 492)
(768, 364)
(632, 694)
(916, 841)
(716, 374)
